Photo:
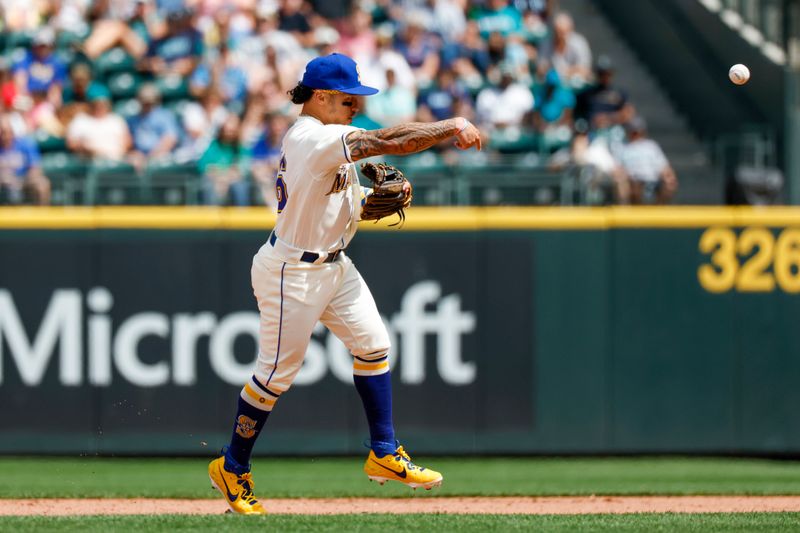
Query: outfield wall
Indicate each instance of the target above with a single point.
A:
(515, 330)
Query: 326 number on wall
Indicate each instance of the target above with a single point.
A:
(753, 261)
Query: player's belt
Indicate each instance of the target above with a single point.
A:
(310, 257)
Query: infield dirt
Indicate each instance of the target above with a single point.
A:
(509, 505)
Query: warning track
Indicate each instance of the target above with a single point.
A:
(471, 505)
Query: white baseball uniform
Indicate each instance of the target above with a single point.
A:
(300, 276)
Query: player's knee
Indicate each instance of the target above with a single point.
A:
(277, 377)
(373, 353)
(373, 346)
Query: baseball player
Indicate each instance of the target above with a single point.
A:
(301, 275)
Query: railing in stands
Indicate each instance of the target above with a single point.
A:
(760, 22)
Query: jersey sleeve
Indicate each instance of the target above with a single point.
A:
(330, 150)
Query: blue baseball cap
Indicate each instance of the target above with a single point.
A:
(335, 72)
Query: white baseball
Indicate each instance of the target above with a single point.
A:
(739, 74)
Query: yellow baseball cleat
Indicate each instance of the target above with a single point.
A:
(236, 489)
(398, 467)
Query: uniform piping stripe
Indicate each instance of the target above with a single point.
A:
(368, 368)
(344, 147)
(263, 388)
(280, 331)
(371, 360)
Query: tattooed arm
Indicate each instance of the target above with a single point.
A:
(412, 137)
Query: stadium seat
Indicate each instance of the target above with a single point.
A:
(537, 36)
(123, 85)
(18, 39)
(66, 55)
(127, 108)
(514, 141)
(511, 180)
(170, 183)
(48, 143)
(113, 183)
(67, 174)
(586, 185)
(115, 60)
(430, 176)
(177, 106)
(14, 55)
(475, 89)
(172, 87)
(256, 191)
(70, 39)
(554, 139)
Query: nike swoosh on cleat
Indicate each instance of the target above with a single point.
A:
(402, 473)
(232, 497)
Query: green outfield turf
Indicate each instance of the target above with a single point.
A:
(440, 523)
(186, 478)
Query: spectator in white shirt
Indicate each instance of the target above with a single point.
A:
(506, 104)
(373, 70)
(651, 176)
(100, 134)
(597, 169)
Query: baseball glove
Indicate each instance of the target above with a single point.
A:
(388, 193)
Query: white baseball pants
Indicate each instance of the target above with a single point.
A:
(293, 297)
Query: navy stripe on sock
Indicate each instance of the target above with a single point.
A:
(263, 388)
(378, 360)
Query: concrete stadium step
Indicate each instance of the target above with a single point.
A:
(687, 153)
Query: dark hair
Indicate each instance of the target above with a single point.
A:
(301, 94)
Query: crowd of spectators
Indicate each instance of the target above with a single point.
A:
(206, 81)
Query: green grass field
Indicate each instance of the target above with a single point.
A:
(342, 477)
(318, 478)
(690, 523)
